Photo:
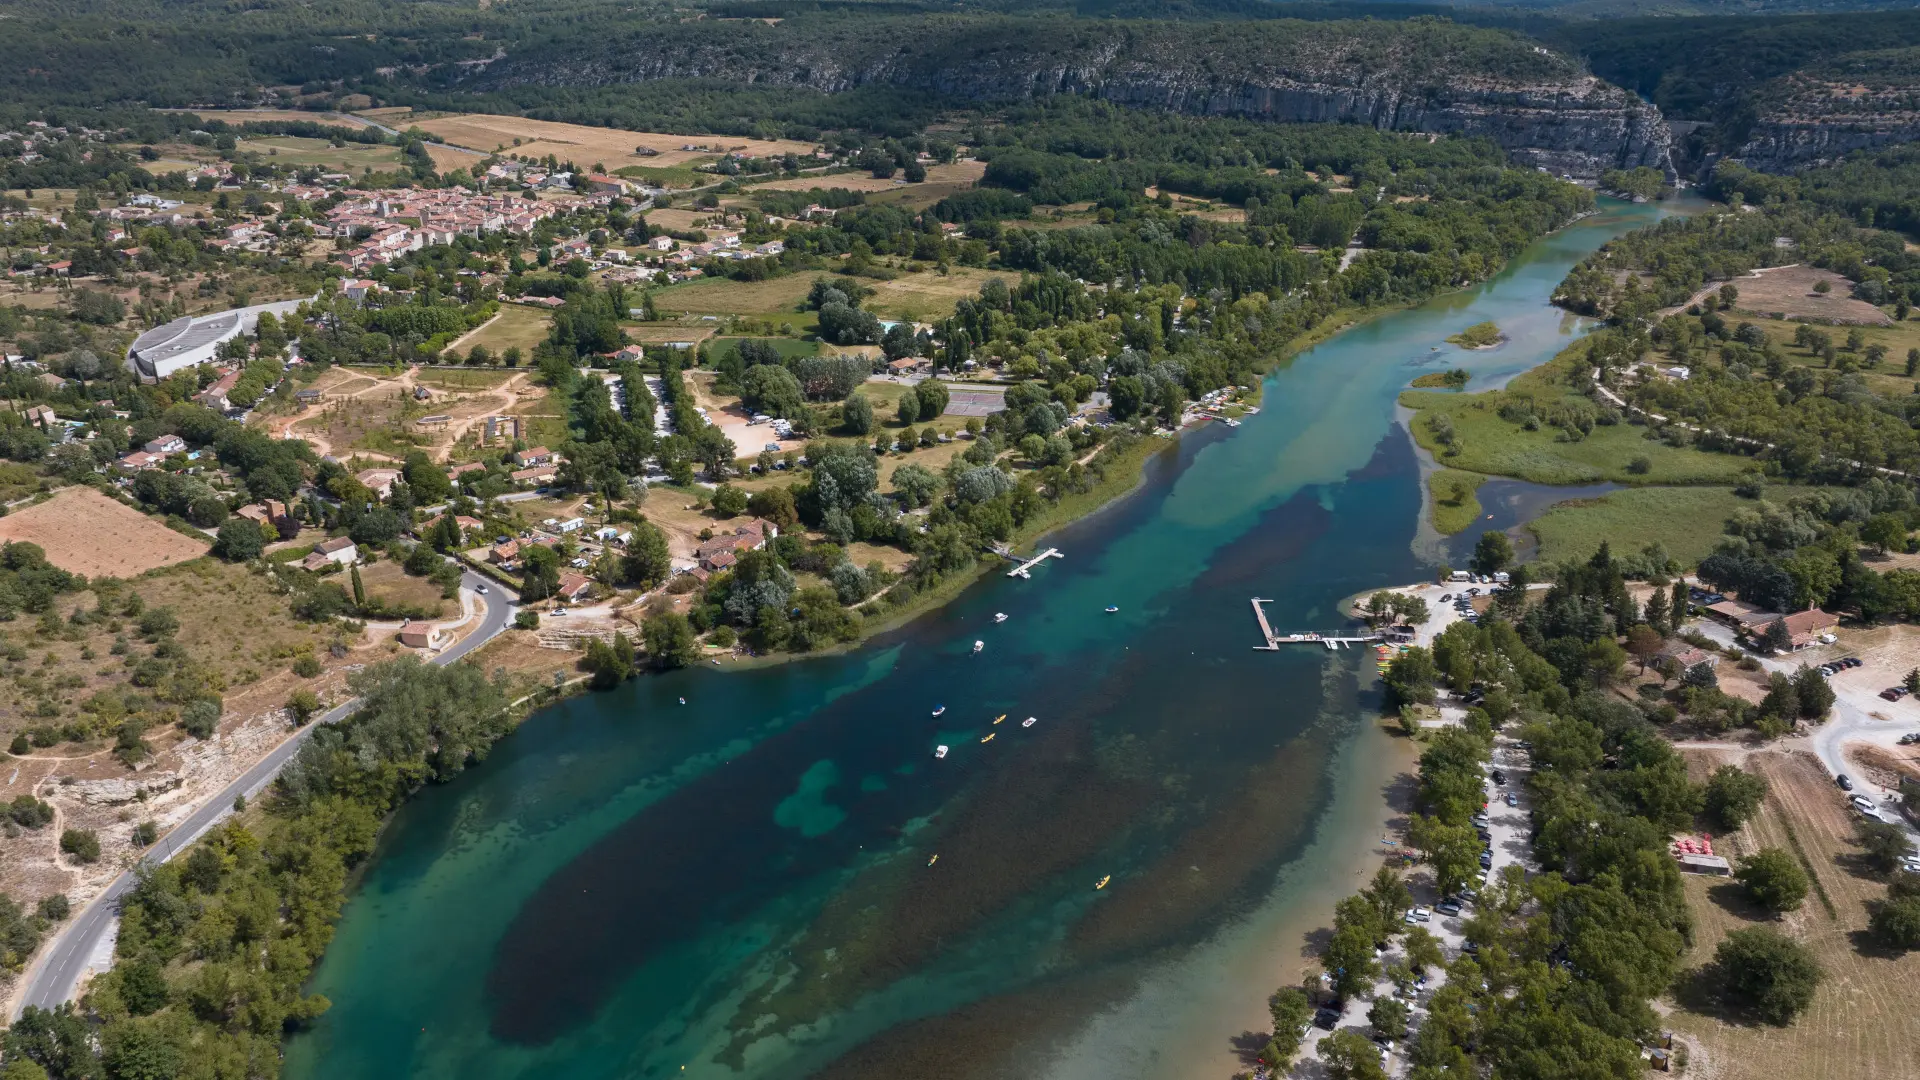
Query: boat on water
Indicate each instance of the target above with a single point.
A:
(935, 859)
(999, 718)
(978, 645)
(940, 751)
(990, 736)
(1111, 608)
(999, 616)
(683, 701)
(1030, 721)
(1102, 883)
(939, 710)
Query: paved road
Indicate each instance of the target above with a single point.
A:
(58, 971)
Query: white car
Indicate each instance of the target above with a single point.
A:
(481, 589)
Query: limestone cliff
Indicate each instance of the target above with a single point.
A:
(1419, 75)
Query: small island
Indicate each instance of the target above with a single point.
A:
(1443, 380)
(1478, 336)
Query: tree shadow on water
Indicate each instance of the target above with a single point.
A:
(1247, 1046)
(1316, 942)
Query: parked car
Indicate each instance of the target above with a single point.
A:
(1446, 597)
(1910, 738)
(1328, 1018)
(1499, 777)
(1862, 803)
(1845, 784)
(1486, 860)
(1447, 907)
(1512, 799)
(1894, 693)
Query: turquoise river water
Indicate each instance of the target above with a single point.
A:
(740, 886)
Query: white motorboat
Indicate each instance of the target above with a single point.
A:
(940, 751)
(940, 710)
(999, 616)
(1030, 721)
(978, 645)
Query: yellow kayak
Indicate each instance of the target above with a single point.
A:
(933, 860)
(990, 736)
(1102, 883)
(999, 718)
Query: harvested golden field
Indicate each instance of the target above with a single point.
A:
(386, 580)
(930, 296)
(84, 532)
(1862, 1025)
(588, 146)
(1790, 291)
(919, 297)
(516, 326)
(244, 116)
(658, 334)
(965, 173)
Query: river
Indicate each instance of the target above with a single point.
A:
(740, 886)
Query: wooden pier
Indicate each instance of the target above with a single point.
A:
(1331, 641)
(1023, 570)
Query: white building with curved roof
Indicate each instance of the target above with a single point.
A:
(193, 339)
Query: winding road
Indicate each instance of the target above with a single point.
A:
(55, 975)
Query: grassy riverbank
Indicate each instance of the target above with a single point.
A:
(1544, 429)
(1455, 505)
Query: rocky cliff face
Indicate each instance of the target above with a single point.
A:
(1784, 146)
(1402, 76)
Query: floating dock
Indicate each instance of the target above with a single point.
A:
(1023, 571)
(1331, 641)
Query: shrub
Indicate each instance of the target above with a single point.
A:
(303, 704)
(82, 844)
(29, 812)
(307, 666)
(200, 717)
(145, 833)
(55, 908)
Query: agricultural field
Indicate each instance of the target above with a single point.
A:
(1861, 1025)
(587, 146)
(464, 380)
(515, 326)
(919, 297)
(352, 157)
(84, 532)
(1688, 520)
(1789, 290)
(247, 116)
(387, 580)
(962, 173)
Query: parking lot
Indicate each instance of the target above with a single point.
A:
(1507, 828)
